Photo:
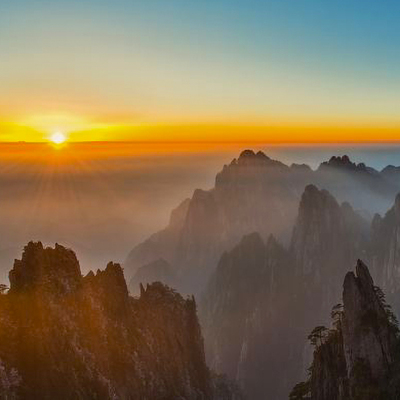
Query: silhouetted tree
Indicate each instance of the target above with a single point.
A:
(319, 333)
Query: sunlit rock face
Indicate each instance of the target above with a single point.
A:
(358, 357)
(64, 336)
(254, 193)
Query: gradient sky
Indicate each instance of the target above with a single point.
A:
(274, 70)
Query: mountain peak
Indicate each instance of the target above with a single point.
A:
(57, 269)
(251, 238)
(314, 197)
(344, 162)
(355, 358)
(260, 155)
(249, 157)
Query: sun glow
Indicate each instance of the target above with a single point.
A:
(58, 138)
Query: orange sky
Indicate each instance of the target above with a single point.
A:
(318, 132)
(279, 71)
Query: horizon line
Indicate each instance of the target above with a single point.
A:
(194, 142)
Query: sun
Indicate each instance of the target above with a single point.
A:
(58, 138)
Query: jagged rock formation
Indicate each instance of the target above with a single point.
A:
(64, 336)
(159, 270)
(344, 162)
(252, 194)
(358, 357)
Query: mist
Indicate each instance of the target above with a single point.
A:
(104, 201)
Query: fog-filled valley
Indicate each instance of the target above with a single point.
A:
(253, 243)
(105, 198)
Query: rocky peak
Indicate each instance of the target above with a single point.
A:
(357, 358)
(110, 288)
(345, 163)
(390, 170)
(313, 196)
(251, 242)
(327, 238)
(364, 312)
(247, 155)
(318, 229)
(301, 167)
(56, 269)
(250, 158)
(94, 341)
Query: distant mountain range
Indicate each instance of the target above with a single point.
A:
(254, 194)
(261, 293)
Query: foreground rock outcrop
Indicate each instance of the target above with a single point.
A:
(358, 358)
(64, 336)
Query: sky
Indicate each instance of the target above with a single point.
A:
(156, 70)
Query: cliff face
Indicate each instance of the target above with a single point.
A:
(364, 312)
(65, 336)
(327, 239)
(244, 315)
(357, 358)
(385, 252)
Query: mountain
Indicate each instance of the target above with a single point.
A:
(385, 252)
(391, 173)
(244, 318)
(327, 239)
(358, 358)
(65, 336)
(250, 195)
(245, 307)
(254, 193)
(161, 244)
